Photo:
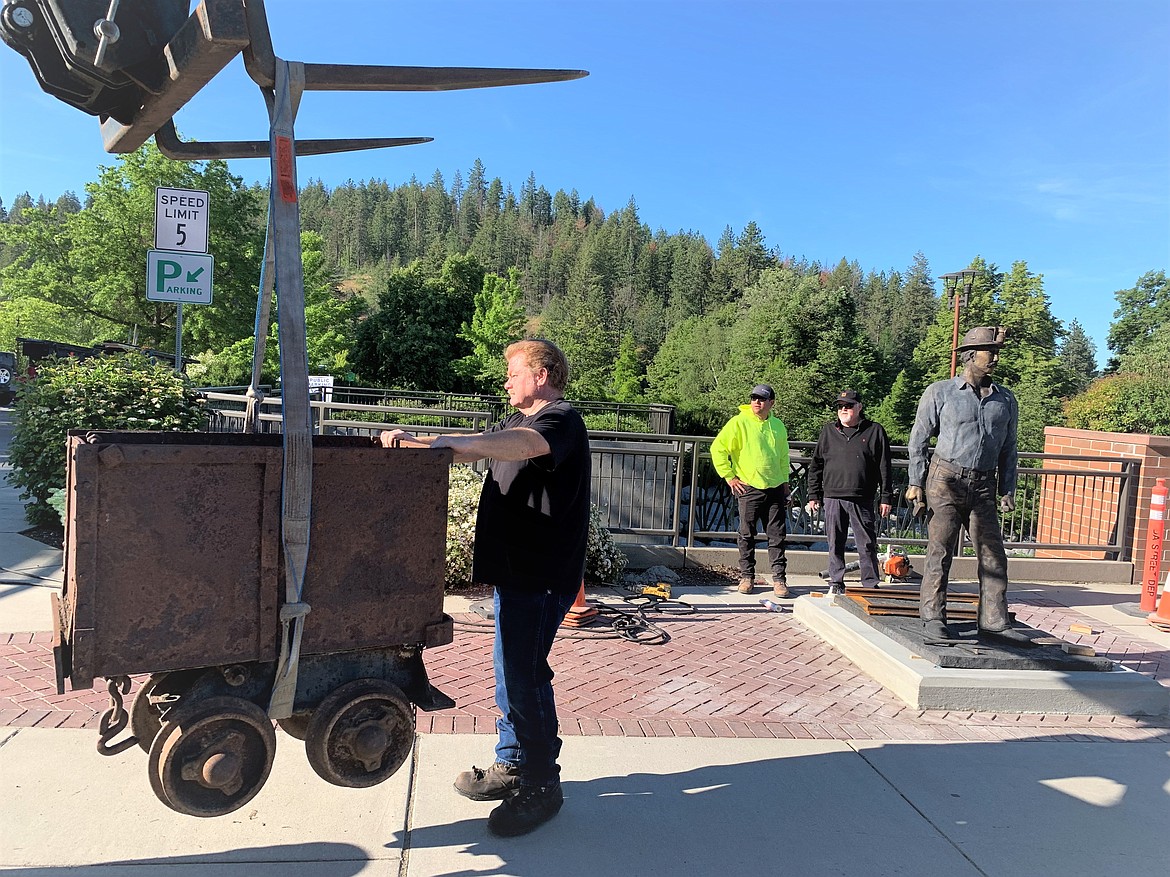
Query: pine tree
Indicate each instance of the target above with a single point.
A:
(1078, 357)
(629, 372)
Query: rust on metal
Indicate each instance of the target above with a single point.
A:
(173, 556)
(961, 606)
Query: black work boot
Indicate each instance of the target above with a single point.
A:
(529, 808)
(494, 784)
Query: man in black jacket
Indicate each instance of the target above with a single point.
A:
(851, 459)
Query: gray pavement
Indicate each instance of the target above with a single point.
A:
(641, 806)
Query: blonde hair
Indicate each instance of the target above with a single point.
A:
(539, 354)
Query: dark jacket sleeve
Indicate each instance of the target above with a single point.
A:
(885, 465)
(816, 467)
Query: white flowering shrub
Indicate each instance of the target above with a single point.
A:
(462, 502)
(604, 561)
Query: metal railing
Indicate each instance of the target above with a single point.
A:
(664, 489)
(622, 416)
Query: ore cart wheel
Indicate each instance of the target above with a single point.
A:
(296, 725)
(212, 756)
(360, 734)
(145, 716)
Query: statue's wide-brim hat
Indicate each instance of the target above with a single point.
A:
(983, 336)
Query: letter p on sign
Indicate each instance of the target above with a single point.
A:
(166, 270)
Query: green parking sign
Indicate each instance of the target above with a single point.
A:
(179, 277)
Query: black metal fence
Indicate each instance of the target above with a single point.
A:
(663, 489)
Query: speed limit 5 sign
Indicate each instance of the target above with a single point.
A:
(180, 219)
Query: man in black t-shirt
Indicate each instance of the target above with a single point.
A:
(530, 537)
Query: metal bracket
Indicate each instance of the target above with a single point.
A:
(220, 29)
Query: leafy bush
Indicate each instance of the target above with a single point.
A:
(110, 392)
(604, 561)
(1126, 402)
(462, 503)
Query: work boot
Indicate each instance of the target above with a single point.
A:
(936, 630)
(529, 808)
(746, 584)
(1010, 636)
(780, 586)
(494, 784)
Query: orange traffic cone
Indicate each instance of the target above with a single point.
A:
(580, 614)
(1161, 618)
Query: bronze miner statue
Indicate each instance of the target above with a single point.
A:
(974, 420)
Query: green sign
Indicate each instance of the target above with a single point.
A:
(179, 277)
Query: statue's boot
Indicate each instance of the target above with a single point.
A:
(1009, 635)
(936, 633)
(936, 630)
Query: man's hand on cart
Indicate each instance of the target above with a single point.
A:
(400, 438)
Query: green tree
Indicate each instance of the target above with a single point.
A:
(580, 324)
(412, 340)
(331, 320)
(92, 262)
(688, 371)
(1140, 312)
(1078, 357)
(496, 321)
(629, 372)
(741, 259)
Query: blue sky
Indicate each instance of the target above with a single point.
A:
(867, 129)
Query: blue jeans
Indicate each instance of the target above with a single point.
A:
(526, 625)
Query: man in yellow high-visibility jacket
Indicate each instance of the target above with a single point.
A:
(751, 455)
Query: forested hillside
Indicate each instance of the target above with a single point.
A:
(421, 286)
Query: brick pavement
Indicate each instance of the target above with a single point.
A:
(727, 671)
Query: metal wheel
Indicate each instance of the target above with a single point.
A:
(360, 734)
(296, 725)
(145, 717)
(157, 694)
(212, 756)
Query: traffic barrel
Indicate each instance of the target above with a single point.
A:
(1155, 544)
(1161, 618)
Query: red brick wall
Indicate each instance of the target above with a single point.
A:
(1080, 509)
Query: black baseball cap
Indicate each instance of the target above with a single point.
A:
(764, 391)
(847, 397)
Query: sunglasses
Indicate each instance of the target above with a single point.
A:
(841, 405)
(761, 398)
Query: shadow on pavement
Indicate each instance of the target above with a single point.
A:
(332, 859)
(1031, 806)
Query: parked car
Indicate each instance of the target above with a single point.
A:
(7, 375)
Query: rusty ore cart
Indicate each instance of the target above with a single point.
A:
(174, 568)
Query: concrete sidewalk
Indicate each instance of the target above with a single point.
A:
(633, 806)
